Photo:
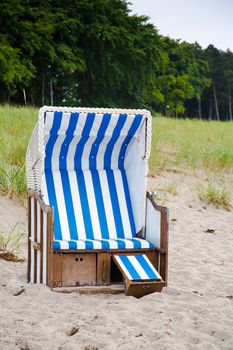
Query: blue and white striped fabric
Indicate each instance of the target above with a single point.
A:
(137, 267)
(85, 181)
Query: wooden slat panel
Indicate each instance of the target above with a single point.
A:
(29, 242)
(44, 248)
(32, 268)
(49, 249)
(38, 253)
(112, 289)
(35, 239)
(57, 270)
(40, 226)
(103, 269)
(41, 244)
(78, 270)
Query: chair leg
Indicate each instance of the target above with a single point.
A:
(164, 266)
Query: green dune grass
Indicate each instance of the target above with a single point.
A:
(209, 194)
(175, 143)
(192, 143)
(16, 125)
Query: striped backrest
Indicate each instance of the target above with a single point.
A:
(84, 177)
(75, 141)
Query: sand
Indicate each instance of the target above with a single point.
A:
(195, 311)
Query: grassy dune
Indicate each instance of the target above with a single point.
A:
(16, 125)
(175, 143)
(192, 143)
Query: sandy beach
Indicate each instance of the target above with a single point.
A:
(195, 311)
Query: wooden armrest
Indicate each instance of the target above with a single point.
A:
(46, 208)
(163, 251)
(160, 250)
(156, 206)
(36, 245)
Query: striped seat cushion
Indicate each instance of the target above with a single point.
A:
(137, 267)
(133, 243)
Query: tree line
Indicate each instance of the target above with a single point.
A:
(96, 53)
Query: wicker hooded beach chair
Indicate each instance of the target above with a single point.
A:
(91, 222)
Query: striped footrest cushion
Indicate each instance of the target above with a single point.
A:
(137, 267)
(131, 243)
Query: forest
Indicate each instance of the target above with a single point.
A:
(97, 53)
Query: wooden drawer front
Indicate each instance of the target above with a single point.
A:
(78, 270)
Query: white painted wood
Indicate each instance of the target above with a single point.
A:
(38, 240)
(44, 252)
(153, 224)
(140, 270)
(128, 275)
(32, 236)
(135, 168)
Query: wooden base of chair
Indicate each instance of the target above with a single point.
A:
(75, 269)
(89, 269)
(111, 289)
(141, 277)
(92, 273)
(139, 289)
(136, 290)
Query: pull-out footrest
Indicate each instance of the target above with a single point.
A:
(141, 277)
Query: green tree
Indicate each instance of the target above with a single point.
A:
(94, 52)
(228, 77)
(183, 77)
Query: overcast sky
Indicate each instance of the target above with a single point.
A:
(204, 21)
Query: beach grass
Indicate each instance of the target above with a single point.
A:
(16, 125)
(210, 194)
(176, 144)
(195, 144)
(9, 244)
